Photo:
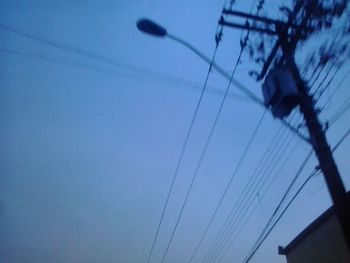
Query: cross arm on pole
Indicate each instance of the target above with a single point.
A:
(223, 22)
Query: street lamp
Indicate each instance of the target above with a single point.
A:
(151, 28)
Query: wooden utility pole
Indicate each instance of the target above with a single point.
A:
(318, 138)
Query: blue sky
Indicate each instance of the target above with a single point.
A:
(89, 148)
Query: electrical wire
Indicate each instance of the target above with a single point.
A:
(292, 182)
(157, 78)
(93, 55)
(317, 76)
(279, 218)
(258, 244)
(243, 204)
(184, 146)
(108, 60)
(214, 214)
(278, 173)
(337, 88)
(79, 51)
(48, 42)
(313, 73)
(222, 197)
(262, 237)
(226, 190)
(341, 140)
(204, 152)
(335, 62)
(96, 56)
(343, 108)
(191, 126)
(235, 231)
(247, 189)
(285, 195)
(237, 167)
(310, 155)
(321, 91)
(71, 48)
(64, 61)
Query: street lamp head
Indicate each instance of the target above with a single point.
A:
(149, 27)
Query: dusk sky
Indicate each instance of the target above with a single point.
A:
(93, 116)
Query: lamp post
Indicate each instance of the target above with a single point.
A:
(151, 28)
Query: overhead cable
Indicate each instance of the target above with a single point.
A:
(237, 167)
(341, 140)
(244, 202)
(263, 236)
(342, 109)
(179, 162)
(335, 90)
(156, 78)
(108, 60)
(203, 154)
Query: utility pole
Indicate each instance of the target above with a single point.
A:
(287, 41)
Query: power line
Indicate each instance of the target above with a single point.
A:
(240, 205)
(157, 77)
(336, 62)
(306, 103)
(317, 76)
(343, 108)
(241, 216)
(261, 165)
(181, 158)
(64, 61)
(262, 237)
(280, 216)
(327, 73)
(278, 173)
(108, 60)
(244, 203)
(329, 82)
(89, 54)
(269, 186)
(93, 56)
(337, 88)
(240, 161)
(313, 73)
(69, 48)
(203, 154)
(226, 190)
(341, 140)
(324, 64)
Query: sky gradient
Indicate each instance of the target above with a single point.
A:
(89, 147)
